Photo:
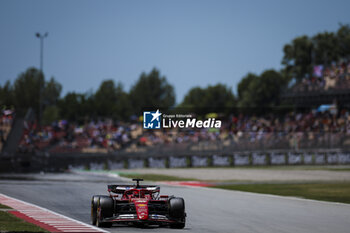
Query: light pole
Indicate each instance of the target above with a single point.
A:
(41, 37)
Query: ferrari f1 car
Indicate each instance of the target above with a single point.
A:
(138, 205)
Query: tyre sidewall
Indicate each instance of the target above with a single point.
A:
(94, 202)
(177, 208)
(107, 206)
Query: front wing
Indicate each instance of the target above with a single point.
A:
(132, 218)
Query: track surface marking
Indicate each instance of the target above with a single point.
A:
(45, 218)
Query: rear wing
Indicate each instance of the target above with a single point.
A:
(115, 188)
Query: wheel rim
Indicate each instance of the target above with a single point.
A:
(98, 216)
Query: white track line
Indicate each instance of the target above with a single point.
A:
(53, 219)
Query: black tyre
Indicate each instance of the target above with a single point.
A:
(178, 225)
(102, 224)
(94, 201)
(105, 207)
(177, 208)
(177, 212)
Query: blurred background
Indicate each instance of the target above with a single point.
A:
(76, 76)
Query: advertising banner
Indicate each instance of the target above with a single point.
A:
(294, 158)
(113, 165)
(221, 160)
(259, 159)
(177, 162)
(198, 161)
(96, 166)
(308, 158)
(135, 163)
(320, 158)
(332, 158)
(241, 159)
(344, 158)
(156, 162)
(277, 158)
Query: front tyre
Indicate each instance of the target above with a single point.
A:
(177, 212)
(178, 225)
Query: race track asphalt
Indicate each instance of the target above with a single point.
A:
(208, 210)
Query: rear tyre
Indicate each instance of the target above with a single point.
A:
(94, 201)
(105, 207)
(103, 224)
(99, 223)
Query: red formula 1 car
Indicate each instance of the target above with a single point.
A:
(139, 205)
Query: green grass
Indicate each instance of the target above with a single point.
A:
(4, 207)
(336, 192)
(154, 177)
(10, 223)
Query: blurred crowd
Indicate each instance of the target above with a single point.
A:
(63, 136)
(324, 78)
(6, 119)
(293, 130)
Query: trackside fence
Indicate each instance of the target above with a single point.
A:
(94, 161)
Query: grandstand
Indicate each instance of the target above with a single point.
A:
(327, 85)
(314, 129)
(6, 119)
(312, 113)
